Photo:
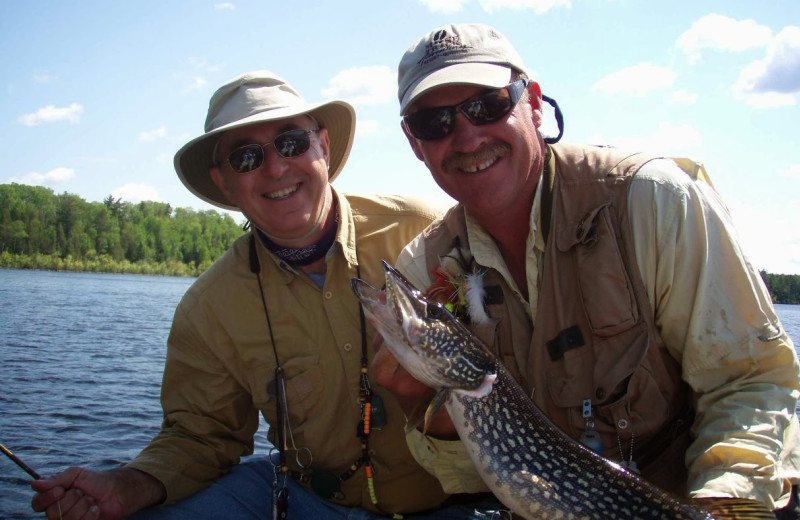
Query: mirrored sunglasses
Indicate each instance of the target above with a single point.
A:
(438, 122)
(289, 145)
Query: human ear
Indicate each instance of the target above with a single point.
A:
(535, 102)
(325, 144)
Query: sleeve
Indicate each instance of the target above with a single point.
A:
(209, 419)
(448, 461)
(715, 316)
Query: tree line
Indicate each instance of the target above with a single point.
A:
(42, 230)
(783, 288)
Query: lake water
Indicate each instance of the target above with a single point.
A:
(82, 356)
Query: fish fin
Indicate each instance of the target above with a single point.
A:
(436, 403)
(721, 508)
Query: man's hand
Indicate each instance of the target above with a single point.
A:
(80, 493)
(410, 393)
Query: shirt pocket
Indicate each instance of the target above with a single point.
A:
(605, 287)
(304, 385)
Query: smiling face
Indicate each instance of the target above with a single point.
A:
(283, 196)
(488, 167)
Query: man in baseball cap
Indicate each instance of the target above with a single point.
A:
(614, 291)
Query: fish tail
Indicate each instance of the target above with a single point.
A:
(733, 508)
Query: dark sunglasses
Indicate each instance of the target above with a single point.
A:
(289, 145)
(435, 123)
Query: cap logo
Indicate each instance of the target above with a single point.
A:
(443, 44)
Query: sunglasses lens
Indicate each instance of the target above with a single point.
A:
(292, 143)
(433, 123)
(488, 108)
(246, 158)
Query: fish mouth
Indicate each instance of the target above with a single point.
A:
(402, 295)
(393, 307)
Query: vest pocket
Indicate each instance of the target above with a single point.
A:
(606, 291)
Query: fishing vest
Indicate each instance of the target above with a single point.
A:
(594, 336)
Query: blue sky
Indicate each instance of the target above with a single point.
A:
(97, 96)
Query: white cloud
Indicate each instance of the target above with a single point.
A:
(133, 192)
(668, 139)
(444, 6)
(197, 84)
(766, 100)
(52, 178)
(52, 114)
(149, 136)
(722, 33)
(225, 6)
(538, 6)
(637, 79)
(683, 97)
(41, 77)
(363, 85)
(792, 172)
(490, 6)
(774, 80)
(774, 248)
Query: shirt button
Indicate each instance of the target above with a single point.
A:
(348, 347)
(328, 295)
(622, 424)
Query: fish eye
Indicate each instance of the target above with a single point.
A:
(436, 311)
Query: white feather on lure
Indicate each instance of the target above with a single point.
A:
(475, 294)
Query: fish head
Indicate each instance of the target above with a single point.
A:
(425, 337)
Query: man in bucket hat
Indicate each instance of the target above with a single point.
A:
(616, 292)
(272, 327)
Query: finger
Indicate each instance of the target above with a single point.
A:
(80, 509)
(65, 479)
(44, 499)
(64, 508)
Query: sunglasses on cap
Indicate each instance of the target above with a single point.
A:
(289, 145)
(434, 123)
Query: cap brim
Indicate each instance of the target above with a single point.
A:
(194, 160)
(487, 75)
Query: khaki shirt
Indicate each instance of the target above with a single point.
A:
(221, 363)
(715, 317)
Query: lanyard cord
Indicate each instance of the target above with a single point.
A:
(255, 267)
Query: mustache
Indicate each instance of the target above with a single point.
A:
(487, 152)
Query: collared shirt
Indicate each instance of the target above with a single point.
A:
(221, 363)
(714, 315)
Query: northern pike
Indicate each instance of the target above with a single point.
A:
(531, 465)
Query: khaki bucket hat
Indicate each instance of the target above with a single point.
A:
(248, 99)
